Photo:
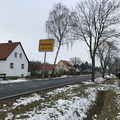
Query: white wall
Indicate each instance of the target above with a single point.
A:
(61, 66)
(2, 66)
(16, 71)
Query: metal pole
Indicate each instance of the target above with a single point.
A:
(43, 74)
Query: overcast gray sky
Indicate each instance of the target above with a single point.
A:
(24, 21)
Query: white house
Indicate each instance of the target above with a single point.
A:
(64, 66)
(13, 60)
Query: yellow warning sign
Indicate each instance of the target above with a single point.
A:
(46, 45)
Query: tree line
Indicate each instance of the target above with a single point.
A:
(79, 65)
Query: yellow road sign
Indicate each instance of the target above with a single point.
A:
(46, 45)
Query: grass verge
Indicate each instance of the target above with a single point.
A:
(96, 108)
(103, 108)
(109, 110)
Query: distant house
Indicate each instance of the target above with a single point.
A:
(13, 60)
(48, 68)
(64, 66)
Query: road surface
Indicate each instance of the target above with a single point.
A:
(15, 89)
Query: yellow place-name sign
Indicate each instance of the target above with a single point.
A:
(46, 45)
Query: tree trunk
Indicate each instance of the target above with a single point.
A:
(93, 69)
(103, 74)
(53, 70)
(109, 70)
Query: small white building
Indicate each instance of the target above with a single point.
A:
(13, 60)
(64, 66)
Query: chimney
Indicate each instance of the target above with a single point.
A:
(9, 41)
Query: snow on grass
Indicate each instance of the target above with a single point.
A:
(117, 90)
(12, 81)
(114, 86)
(73, 109)
(110, 76)
(118, 104)
(65, 76)
(25, 100)
(9, 116)
(59, 90)
(88, 82)
(99, 80)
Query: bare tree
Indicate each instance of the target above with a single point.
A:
(33, 67)
(106, 53)
(75, 62)
(94, 22)
(116, 64)
(58, 27)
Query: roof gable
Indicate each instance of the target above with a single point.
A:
(24, 52)
(6, 49)
(67, 64)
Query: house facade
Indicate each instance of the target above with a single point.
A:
(13, 60)
(63, 66)
(48, 68)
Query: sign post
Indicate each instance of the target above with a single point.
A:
(46, 45)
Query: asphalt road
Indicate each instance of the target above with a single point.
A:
(15, 89)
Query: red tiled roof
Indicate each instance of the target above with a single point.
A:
(67, 64)
(6, 49)
(47, 67)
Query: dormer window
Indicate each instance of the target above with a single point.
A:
(15, 54)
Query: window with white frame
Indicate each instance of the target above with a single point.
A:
(15, 54)
(22, 66)
(11, 65)
(20, 55)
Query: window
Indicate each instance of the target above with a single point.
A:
(22, 66)
(15, 54)
(22, 75)
(11, 65)
(20, 55)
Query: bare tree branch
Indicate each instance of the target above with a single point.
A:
(94, 22)
(58, 26)
(106, 53)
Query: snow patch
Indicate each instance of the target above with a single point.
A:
(74, 109)
(99, 80)
(25, 100)
(13, 81)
